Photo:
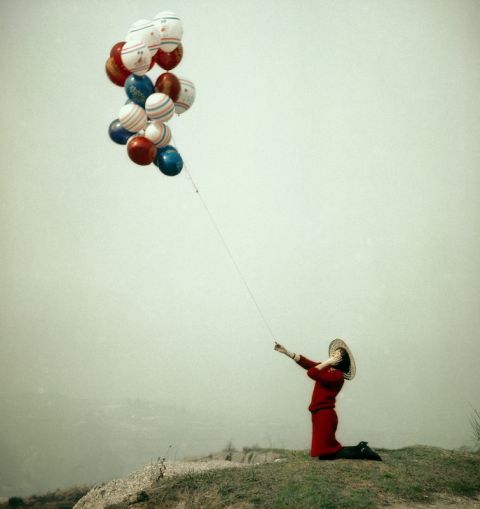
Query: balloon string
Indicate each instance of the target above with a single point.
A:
(229, 252)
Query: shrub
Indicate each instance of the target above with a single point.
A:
(475, 422)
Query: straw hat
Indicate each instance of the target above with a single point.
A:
(339, 343)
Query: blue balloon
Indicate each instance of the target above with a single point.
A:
(138, 88)
(118, 133)
(168, 147)
(169, 161)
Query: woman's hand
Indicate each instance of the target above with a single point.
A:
(279, 348)
(336, 357)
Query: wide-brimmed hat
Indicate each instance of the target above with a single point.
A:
(339, 343)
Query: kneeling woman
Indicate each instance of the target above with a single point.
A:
(329, 377)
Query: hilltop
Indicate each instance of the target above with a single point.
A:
(417, 476)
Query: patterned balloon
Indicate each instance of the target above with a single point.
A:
(186, 97)
(136, 57)
(144, 30)
(171, 30)
(138, 88)
(132, 117)
(159, 107)
(159, 134)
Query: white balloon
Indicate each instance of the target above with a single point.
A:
(132, 117)
(136, 57)
(171, 30)
(159, 107)
(186, 97)
(144, 30)
(159, 134)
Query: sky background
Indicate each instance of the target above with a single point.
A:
(336, 147)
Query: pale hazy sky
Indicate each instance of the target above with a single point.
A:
(336, 145)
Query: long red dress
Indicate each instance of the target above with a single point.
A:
(328, 383)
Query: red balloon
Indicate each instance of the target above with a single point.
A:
(168, 83)
(168, 61)
(115, 53)
(141, 150)
(116, 75)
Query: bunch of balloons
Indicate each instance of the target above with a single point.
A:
(141, 123)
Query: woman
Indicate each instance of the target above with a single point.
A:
(329, 377)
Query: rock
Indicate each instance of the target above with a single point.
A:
(141, 496)
(130, 490)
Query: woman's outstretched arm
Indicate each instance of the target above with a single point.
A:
(299, 359)
(280, 348)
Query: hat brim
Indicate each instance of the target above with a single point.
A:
(352, 369)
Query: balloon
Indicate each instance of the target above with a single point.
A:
(169, 161)
(167, 83)
(186, 97)
(132, 117)
(138, 88)
(115, 74)
(170, 28)
(115, 53)
(144, 30)
(118, 133)
(159, 107)
(136, 57)
(159, 134)
(170, 60)
(141, 150)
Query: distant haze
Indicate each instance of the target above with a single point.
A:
(336, 145)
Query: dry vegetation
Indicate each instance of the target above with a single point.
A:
(407, 477)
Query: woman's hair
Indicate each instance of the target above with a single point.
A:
(344, 364)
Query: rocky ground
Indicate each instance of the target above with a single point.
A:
(132, 488)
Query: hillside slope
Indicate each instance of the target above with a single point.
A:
(416, 476)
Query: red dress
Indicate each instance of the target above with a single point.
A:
(328, 383)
